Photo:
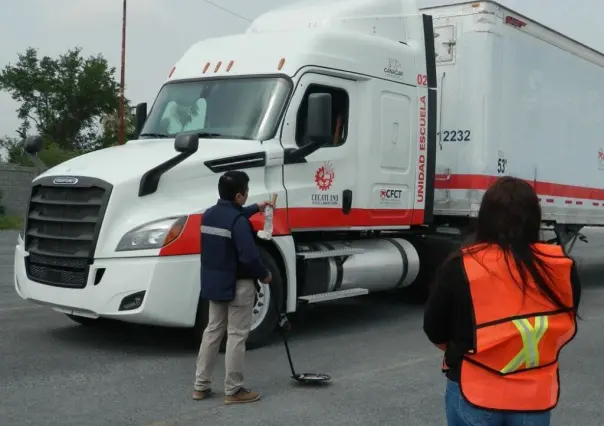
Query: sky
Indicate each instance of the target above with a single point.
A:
(160, 31)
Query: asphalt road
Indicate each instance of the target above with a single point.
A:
(55, 372)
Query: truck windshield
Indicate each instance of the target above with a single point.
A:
(234, 108)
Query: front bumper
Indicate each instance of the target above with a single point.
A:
(171, 286)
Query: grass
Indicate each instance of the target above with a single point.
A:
(10, 222)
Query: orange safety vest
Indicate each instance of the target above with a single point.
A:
(518, 338)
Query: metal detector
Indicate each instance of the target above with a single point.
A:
(304, 378)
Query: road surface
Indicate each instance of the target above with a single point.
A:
(55, 372)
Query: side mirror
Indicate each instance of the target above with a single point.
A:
(318, 124)
(318, 128)
(141, 117)
(186, 143)
(33, 144)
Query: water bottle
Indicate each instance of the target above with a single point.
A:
(267, 232)
(268, 220)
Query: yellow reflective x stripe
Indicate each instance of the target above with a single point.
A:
(531, 336)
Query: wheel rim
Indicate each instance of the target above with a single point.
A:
(261, 305)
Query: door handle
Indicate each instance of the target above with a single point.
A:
(346, 201)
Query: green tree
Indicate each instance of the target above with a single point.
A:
(109, 123)
(62, 98)
(51, 155)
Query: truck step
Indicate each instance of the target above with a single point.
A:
(329, 253)
(333, 295)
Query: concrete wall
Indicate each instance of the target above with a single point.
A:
(15, 184)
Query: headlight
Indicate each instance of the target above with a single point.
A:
(152, 235)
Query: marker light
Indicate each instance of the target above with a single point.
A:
(510, 20)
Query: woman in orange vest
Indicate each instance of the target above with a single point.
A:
(502, 308)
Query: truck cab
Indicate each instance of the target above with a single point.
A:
(330, 106)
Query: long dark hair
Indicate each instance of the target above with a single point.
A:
(510, 217)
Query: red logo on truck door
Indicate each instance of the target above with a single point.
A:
(421, 159)
(324, 177)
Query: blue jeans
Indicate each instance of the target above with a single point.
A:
(460, 413)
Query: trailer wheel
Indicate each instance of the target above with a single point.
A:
(265, 318)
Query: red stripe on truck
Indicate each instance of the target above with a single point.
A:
(312, 217)
(188, 242)
(300, 218)
(319, 218)
(482, 182)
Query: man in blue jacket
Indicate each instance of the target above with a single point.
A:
(230, 265)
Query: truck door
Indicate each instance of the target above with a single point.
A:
(321, 189)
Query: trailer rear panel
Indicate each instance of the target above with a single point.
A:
(517, 98)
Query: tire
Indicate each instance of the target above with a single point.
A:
(265, 320)
(265, 316)
(432, 250)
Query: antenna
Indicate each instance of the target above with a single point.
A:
(226, 10)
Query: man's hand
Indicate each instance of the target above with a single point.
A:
(262, 205)
(268, 279)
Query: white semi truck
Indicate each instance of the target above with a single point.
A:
(378, 124)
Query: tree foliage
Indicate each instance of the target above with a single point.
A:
(71, 101)
(51, 155)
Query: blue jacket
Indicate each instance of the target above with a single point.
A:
(228, 250)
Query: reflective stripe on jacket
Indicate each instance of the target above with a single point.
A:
(518, 338)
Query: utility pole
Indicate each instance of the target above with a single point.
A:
(121, 130)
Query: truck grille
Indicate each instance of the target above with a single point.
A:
(62, 227)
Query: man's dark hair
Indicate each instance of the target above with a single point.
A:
(232, 183)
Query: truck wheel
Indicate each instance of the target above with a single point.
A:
(264, 318)
(432, 250)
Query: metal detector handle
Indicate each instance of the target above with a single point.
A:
(284, 323)
(284, 327)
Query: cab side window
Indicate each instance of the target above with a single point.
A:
(339, 115)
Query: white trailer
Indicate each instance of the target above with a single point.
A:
(379, 126)
(517, 98)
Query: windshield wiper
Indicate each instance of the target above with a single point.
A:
(209, 135)
(155, 135)
(220, 135)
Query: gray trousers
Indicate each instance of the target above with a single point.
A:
(235, 317)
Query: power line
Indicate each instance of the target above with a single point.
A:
(226, 10)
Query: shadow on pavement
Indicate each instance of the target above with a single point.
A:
(334, 318)
(130, 338)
